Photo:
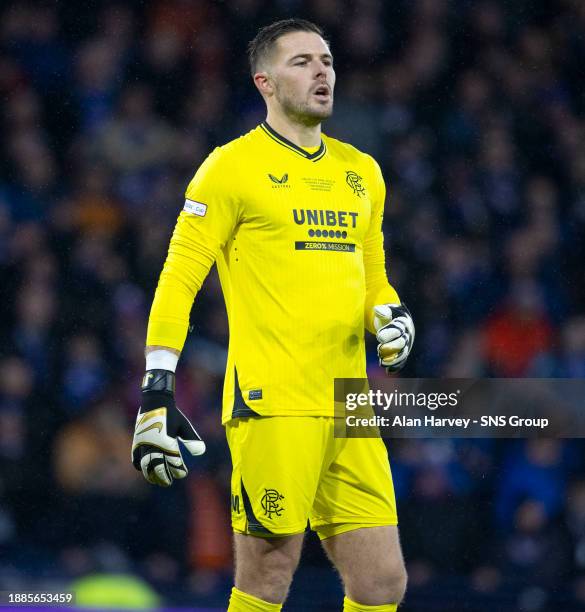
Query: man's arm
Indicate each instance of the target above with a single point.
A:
(385, 316)
(378, 288)
(207, 221)
(210, 215)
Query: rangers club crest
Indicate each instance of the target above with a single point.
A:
(354, 180)
(271, 502)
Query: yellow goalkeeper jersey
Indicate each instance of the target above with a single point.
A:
(298, 243)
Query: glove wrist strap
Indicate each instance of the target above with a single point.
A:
(159, 380)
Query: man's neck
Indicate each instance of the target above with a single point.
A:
(297, 133)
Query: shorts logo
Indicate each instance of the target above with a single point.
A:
(197, 208)
(355, 182)
(271, 503)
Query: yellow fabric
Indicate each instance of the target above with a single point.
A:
(328, 531)
(287, 470)
(299, 250)
(352, 606)
(243, 602)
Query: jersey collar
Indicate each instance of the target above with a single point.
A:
(281, 140)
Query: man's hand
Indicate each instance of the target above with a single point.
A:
(159, 425)
(395, 333)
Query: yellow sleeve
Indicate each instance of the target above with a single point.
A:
(206, 223)
(378, 289)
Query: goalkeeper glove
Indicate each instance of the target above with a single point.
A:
(159, 425)
(395, 334)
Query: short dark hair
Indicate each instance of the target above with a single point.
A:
(268, 35)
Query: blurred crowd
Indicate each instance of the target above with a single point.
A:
(475, 111)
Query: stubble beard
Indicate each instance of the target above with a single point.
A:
(303, 112)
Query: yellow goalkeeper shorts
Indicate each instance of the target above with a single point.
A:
(289, 470)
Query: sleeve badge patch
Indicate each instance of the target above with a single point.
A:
(194, 207)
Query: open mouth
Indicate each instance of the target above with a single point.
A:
(322, 92)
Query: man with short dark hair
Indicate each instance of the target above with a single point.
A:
(293, 220)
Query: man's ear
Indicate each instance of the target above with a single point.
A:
(264, 84)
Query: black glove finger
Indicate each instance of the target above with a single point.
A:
(137, 455)
(155, 469)
(176, 467)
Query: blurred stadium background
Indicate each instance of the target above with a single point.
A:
(475, 110)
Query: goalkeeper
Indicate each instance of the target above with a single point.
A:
(292, 218)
